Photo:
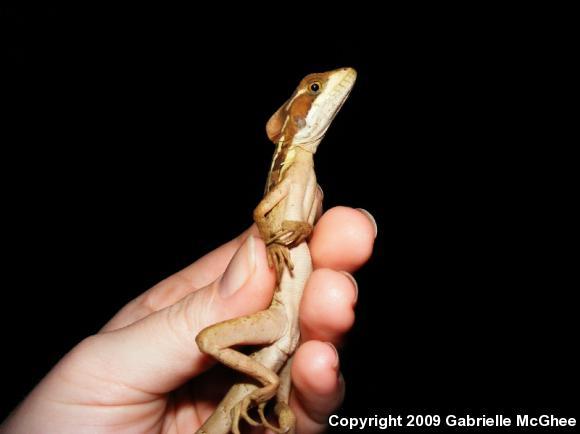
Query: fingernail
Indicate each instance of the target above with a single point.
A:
(240, 268)
(353, 280)
(336, 359)
(321, 192)
(371, 218)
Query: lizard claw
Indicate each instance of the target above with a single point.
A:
(286, 418)
(236, 419)
(279, 257)
(291, 233)
(239, 412)
(261, 409)
(244, 406)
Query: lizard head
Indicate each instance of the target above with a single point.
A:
(305, 117)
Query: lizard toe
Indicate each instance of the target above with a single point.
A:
(244, 407)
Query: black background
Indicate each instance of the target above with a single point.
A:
(133, 142)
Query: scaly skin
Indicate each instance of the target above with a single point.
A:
(285, 218)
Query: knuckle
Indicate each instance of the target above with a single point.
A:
(182, 321)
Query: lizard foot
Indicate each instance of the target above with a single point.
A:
(235, 420)
(286, 418)
(291, 233)
(245, 405)
(259, 397)
(240, 411)
(279, 258)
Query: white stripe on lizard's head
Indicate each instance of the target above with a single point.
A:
(329, 98)
(305, 117)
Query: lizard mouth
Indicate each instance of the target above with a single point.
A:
(327, 105)
(341, 91)
(346, 83)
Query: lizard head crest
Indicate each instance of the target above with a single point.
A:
(305, 117)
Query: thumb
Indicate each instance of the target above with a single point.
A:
(158, 353)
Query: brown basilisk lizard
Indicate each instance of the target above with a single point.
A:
(285, 218)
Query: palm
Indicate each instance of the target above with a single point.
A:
(143, 372)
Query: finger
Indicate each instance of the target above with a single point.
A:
(324, 245)
(207, 268)
(159, 353)
(167, 292)
(327, 307)
(343, 239)
(318, 386)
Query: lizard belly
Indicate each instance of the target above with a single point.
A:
(289, 294)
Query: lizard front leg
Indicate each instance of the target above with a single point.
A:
(267, 204)
(286, 417)
(292, 232)
(278, 254)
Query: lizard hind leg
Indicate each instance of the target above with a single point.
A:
(264, 327)
(286, 418)
(261, 397)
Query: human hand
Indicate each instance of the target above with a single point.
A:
(143, 371)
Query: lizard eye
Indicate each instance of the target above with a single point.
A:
(314, 87)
